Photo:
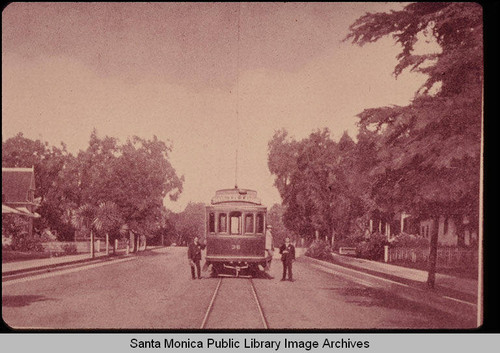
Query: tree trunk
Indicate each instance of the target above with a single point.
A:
(92, 244)
(132, 241)
(30, 227)
(460, 230)
(431, 278)
(107, 244)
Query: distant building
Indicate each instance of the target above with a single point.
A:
(18, 193)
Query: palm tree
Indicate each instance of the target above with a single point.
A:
(84, 218)
(104, 218)
(108, 219)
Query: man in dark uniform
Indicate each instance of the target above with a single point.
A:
(194, 256)
(287, 252)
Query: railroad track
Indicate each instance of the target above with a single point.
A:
(223, 311)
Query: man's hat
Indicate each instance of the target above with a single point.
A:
(269, 226)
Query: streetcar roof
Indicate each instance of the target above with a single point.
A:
(235, 206)
(236, 196)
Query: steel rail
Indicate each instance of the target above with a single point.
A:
(209, 309)
(257, 301)
(259, 306)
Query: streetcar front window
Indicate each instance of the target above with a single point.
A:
(211, 222)
(235, 222)
(260, 223)
(249, 223)
(222, 223)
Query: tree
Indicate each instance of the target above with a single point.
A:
(142, 178)
(429, 151)
(190, 222)
(282, 162)
(48, 162)
(312, 176)
(275, 219)
(84, 218)
(135, 176)
(125, 182)
(108, 220)
(21, 152)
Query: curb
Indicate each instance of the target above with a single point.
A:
(60, 264)
(455, 307)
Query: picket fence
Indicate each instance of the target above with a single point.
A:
(446, 257)
(58, 247)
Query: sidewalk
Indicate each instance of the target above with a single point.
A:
(16, 267)
(463, 287)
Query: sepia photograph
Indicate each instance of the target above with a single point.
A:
(242, 166)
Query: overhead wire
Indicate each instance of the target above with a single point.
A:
(237, 97)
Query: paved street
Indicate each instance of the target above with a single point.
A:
(154, 290)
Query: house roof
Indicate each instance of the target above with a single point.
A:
(16, 183)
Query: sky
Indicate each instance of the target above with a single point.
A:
(210, 78)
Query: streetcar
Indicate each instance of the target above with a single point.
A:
(235, 233)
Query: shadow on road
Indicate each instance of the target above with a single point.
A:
(244, 275)
(17, 301)
(262, 275)
(371, 297)
(375, 297)
(149, 252)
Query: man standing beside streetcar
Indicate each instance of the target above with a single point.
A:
(194, 256)
(269, 246)
(287, 252)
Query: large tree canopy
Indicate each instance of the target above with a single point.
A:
(456, 27)
(317, 180)
(136, 176)
(130, 179)
(48, 162)
(422, 158)
(429, 151)
(189, 223)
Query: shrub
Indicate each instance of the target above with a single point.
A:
(23, 242)
(69, 249)
(350, 241)
(6, 244)
(405, 240)
(320, 249)
(373, 247)
(47, 236)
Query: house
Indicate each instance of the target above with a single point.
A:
(452, 231)
(18, 193)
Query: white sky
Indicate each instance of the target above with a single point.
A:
(178, 71)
